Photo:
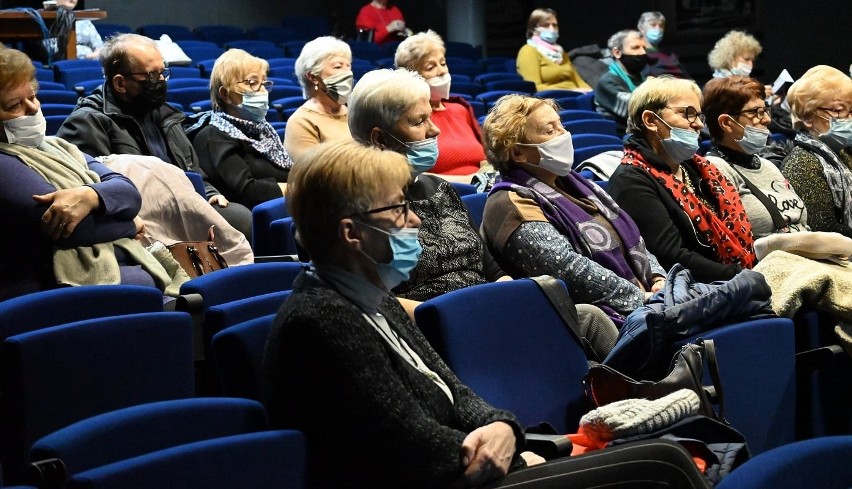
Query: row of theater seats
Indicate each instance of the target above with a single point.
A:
(102, 378)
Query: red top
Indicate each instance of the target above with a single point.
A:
(460, 142)
(378, 19)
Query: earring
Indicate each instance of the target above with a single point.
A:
(316, 86)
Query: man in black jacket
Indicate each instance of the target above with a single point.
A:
(128, 114)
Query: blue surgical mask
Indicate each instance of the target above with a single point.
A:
(422, 155)
(681, 144)
(406, 252)
(548, 35)
(654, 35)
(839, 134)
(254, 106)
(742, 69)
(753, 139)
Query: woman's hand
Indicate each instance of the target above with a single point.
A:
(487, 453)
(67, 208)
(659, 283)
(532, 458)
(219, 200)
(140, 229)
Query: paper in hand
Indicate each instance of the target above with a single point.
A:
(783, 82)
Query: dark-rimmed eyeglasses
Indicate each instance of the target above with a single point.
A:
(403, 210)
(154, 76)
(254, 85)
(838, 113)
(689, 113)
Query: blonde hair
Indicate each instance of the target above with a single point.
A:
(411, 51)
(538, 16)
(16, 68)
(732, 44)
(503, 128)
(338, 179)
(654, 94)
(314, 54)
(817, 87)
(381, 97)
(230, 68)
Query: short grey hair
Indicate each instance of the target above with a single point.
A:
(648, 17)
(414, 48)
(113, 56)
(618, 39)
(314, 54)
(381, 97)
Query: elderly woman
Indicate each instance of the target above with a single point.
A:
(345, 365)
(820, 165)
(613, 90)
(89, 41)
(545, 218)
(324, 70)
(69, 220)
(542, 61)
(460, 151)
(238, 149)
(652, 26)
(384, 21)
(737, 118)
(686, 210)
(734, 54)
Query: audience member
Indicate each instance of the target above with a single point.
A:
(545, 218)
(70, 220)
(239, 150)
(89, 42)
(686, 210)
(128, 114)
(820, 165)
(386, 23)
(612, 92)
(542, 61)
(460, 153)
(324, 70)
(734, 54)
(652, 25)
(345, 365)
(737, 117)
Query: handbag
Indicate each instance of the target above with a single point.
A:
(604, 384)
(198, 257)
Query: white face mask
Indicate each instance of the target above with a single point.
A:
(557, 155)
(27, 130)
(439, 87)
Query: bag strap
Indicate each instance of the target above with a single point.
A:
(778, 220)
(713, 367)
(562, 302)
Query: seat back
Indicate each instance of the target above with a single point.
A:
(56, 376)
(137, 430)
(239, 353)
(235, 283)
(517, 354)
(263, 460)
(262, 216)
(586, 140)
(282, 240)
(596, 125)
(475, 204)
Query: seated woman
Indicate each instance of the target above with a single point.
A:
(686, 210)
(345, 365)
(734, 54)
(460, 153)
(544, 62)
(820, 165)
(69, 220)
(89, 41)
(324, 70)
(238, 149)
(545, 218)
(386, 23)
(737, 117)
(613, 90)
(652, 25)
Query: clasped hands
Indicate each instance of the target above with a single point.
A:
(487, 452)
(67, 207)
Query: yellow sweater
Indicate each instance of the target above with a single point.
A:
(546, 74)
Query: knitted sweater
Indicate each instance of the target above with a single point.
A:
(460, 149)
(372, 420)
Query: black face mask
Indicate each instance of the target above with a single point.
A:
(634, 63)
(152, 95)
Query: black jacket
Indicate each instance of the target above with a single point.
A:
(99, 127)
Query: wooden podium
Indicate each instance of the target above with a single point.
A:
(19, 26)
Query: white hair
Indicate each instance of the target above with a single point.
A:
(414, 48)
(314, 54)
(381, 97)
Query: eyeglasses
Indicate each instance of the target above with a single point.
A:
(254, 85)
(756, 113)
(689, 113)
(399, 210)
(154, 76)
(838, 113)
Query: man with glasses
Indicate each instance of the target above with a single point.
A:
(128, 114)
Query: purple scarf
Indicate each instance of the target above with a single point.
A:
(585, 234)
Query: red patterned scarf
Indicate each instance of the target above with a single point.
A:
(729, 233)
